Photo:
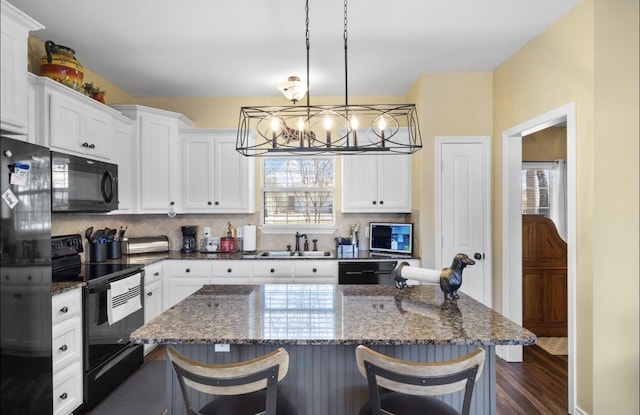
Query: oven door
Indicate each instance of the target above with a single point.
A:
(104, 340)
(366, 272)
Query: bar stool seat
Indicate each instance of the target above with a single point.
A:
(245, 388)
(413, 385)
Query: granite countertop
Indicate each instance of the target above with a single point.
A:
(330, 315)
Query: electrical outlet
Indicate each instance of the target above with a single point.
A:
(222, 347)
(207, 231)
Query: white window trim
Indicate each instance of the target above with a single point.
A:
(325, 229)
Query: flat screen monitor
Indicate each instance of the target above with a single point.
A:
(395, 238)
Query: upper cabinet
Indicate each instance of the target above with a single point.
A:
(124, 155)
(157, 149)
(71, 122)
(215, 177)
(377, 182)
(14, 27)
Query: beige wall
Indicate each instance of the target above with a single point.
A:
(449, 104)
(616, 221)
(545, 145)
(581, 54)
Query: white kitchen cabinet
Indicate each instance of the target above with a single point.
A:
(215, 177)
(14, 29)
(231, 272)
(153, 295)
(183, 278)
(67, 351)
(70, 122)
(273, 272)
(376, 183)
(124, 155)
(157, 148)
(315, 272)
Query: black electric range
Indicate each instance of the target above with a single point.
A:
(67, 265)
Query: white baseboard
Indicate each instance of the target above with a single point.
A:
(579, 411)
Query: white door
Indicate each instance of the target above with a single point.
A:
(463, 214)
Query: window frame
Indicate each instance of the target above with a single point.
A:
(327, 228)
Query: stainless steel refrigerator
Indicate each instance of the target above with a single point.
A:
(25, 278)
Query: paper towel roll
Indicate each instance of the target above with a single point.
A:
(429, 276)
(249, 238)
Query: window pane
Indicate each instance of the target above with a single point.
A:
(536, 188)
(298, 191)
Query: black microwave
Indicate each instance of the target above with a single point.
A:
(80, 184)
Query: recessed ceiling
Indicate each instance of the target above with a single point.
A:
(236, 48)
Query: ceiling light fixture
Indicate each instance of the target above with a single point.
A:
(293, 89)
(327, 129)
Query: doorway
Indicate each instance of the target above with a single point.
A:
(512, 230)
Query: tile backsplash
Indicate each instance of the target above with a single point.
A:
(155, 225)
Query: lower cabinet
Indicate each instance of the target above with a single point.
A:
(67, 351)
(152, 305)
(315, 272)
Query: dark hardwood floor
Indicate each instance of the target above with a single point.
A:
(538, 385)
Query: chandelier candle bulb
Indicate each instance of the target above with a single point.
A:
(354, 126)
(274, 132)
(327, 126)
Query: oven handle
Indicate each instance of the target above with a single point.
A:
(104, 287)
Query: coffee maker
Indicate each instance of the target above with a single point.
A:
(189, 239)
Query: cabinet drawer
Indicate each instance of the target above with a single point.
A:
(67, 342)
(67, 389)
(152, 273)
(234, 269)
(66, 305)
(273, 269)
(189, 268)
(305, 269)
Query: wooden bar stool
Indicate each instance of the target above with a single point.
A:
(413, 385)
(244, 388)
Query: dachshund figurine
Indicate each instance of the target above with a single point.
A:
(289, 134)
(451, 278)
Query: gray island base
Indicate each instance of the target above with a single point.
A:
(321, 325)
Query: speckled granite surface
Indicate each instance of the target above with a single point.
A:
(60, 287)
(330, 315)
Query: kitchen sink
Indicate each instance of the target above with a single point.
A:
(315, 253)
(277, 253)
(290, 254)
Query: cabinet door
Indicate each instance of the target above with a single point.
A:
(77, 128)
(394, 183)
(65, 124)
(152, 301)
(157, 155)
(197, 172)
(14, 28)
(97, 132)
(315, 272)
(359, 183)
(232, 190)
(124, 155)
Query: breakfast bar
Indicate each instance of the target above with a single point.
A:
(321, 325)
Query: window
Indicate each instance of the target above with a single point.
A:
(537, 179)
(298, 191)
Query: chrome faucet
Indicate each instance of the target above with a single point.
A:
(306, 241)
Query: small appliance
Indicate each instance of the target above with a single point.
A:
(189, 239)
(80, 184)
(391, 238)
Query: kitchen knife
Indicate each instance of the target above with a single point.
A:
(88, 232)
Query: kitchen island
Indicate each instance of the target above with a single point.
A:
(321, 325)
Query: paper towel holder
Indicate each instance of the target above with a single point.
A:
(249, 239)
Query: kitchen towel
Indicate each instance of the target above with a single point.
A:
(123, 298)
(249, 238)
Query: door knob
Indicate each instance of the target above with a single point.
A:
(477, 256)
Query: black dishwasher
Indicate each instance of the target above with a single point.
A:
(366, 272)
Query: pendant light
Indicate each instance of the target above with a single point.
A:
(326, 129)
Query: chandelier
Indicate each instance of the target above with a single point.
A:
(326, 129)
